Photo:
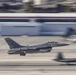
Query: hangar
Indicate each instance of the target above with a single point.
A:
(20, 29)
(36, 25)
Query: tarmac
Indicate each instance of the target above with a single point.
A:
(39, 63)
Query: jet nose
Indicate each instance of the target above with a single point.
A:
(61, 44)
(64, 44)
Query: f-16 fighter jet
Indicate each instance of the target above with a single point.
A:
(69, 32)
(16, 48)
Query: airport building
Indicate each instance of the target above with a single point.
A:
(20, 27)
(36, 25)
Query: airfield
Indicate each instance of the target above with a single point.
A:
(39, 63)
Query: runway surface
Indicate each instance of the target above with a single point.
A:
(37, 68)
(36, 64)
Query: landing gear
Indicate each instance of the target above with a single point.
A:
(23, 53)
(68, 63)
(48, 50)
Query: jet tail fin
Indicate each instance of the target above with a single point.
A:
(12, 43)
(59, 56)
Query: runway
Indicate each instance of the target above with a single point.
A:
(44, 66)
(36, 64)
(38, 67)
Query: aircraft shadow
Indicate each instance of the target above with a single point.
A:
(67, 65)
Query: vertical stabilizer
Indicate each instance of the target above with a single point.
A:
(12, 43)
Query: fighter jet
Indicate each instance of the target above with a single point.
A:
(70, 31)
(15, 48)
(60, 58)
